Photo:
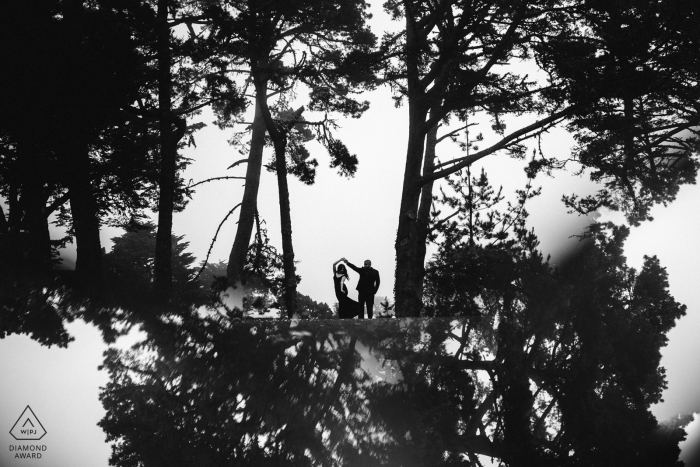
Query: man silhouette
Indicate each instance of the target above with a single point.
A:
(367, 286)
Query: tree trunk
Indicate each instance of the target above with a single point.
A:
(290, 277)
(4, 226)
(11, 247)
(412, 232)
(514, 386)
(163, 274)
(410, 238)
(38, 251)
(249, 204)
(279, 140)
(88, 266)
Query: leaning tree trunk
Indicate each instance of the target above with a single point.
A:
(88, 266)
(249, 204)
(163, 274)
(279, 140)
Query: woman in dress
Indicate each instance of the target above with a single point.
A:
(347, 307)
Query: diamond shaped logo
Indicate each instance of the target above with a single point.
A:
(28, 427)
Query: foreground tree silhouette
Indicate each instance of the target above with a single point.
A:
(58, 157)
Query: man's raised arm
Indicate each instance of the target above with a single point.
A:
(352, 266)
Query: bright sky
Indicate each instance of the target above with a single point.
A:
(337, 217)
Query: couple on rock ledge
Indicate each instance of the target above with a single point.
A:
(367, 287)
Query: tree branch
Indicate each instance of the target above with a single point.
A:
(242, 161)
(215, 178)
(57, 203)
(454, 132)
(206, 260)
(468, 160)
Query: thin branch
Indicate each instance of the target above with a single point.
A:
(544, 415)
(215, 178)
(242, 161)
(442, 221)
(206, 260)
(665, 137)
(189, 20)
(454, 132)
(192, 109)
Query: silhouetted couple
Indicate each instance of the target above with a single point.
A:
(367, 287)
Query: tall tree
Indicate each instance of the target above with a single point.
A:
(249, 203)
(184, 79)
(104, 76)
(168, 153)
(452, 59)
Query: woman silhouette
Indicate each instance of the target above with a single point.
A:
(347, 307)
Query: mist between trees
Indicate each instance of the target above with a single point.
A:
(101, 97)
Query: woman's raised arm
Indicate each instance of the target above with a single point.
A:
(334, 265)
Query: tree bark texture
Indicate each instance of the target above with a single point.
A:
(411, 237)
(249, 204)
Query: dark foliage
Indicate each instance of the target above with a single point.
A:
(399, 393)
(129, 268)
(576, 350)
